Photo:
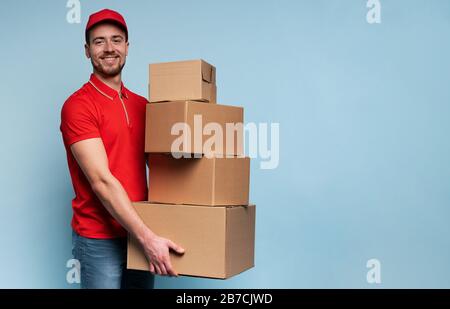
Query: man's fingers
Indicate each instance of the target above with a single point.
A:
(170, 269)
(152, 268)
(158, 270)
(175, 247)
(163, 269)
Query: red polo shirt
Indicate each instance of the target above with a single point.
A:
(96, 110)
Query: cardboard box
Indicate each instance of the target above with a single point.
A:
(196, 128)
(182, 80)
(199, 181)
(218, 241)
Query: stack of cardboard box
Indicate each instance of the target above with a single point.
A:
(198, 175)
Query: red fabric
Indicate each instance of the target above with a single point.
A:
(96, 110)
(103, 15)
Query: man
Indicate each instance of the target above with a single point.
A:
(102, 125)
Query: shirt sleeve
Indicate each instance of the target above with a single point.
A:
(79, 121)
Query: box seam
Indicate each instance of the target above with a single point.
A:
(186, 107)
(226, 244)
(213, 193)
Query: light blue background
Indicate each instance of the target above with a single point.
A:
(364, 113)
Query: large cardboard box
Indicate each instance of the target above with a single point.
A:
(194, 127)
(218, 241)
(182, 80)
(199, 181)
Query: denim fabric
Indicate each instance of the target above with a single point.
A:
(103, 264)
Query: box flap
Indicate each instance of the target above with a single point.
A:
(208, 72)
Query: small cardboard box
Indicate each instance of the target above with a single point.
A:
(218, 241)
(199, 181)
(193, 127)
(182, 80)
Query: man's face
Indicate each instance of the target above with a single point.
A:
(107, 49)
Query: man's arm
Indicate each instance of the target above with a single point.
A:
(91, 157)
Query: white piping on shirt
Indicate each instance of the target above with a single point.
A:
(120, 97)
(124, 109)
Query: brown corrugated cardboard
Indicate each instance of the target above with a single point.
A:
(218, 241)
(182, 80)
(199, 181)
(198, 134)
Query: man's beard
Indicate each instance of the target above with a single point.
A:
(108, 71)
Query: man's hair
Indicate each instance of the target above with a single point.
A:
(111, 22)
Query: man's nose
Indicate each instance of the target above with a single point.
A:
(108, 47)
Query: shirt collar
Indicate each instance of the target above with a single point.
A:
(105, 90)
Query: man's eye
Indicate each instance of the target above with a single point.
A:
(98, 42)
(117, 40)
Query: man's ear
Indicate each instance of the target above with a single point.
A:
(86, 51)
(126, 51)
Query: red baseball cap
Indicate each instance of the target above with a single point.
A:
(106, 15)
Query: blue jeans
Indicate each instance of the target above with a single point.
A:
(103, 264)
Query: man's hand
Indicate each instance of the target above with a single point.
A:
(156, 250)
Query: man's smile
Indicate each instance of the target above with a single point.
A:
(109, 59)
